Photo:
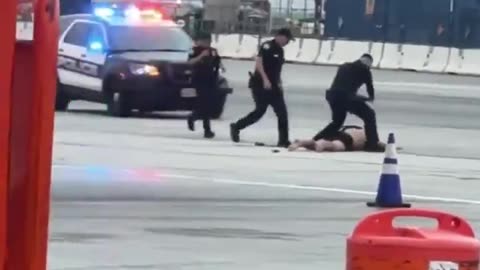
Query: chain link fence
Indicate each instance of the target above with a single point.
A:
(256, 20)
(448, 23)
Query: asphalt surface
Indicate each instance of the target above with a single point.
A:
(146, 193)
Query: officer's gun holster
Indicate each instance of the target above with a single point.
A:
(254, 81)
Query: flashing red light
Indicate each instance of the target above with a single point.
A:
(131, 11)
(134, 12)
(151, 13)
(150, 6)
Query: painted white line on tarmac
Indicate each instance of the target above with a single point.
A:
(429, 85)
(315, 188)
(230, 181)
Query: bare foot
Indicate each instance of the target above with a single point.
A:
(294, 146)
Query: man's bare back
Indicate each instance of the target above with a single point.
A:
(349, 139)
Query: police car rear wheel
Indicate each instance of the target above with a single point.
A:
(118, 105)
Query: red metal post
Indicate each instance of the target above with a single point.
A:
(31, 136)
(7, 28)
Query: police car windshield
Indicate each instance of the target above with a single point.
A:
(148, 38)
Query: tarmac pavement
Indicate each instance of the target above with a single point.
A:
(146, 193)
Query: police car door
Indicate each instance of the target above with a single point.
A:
(95, 56)
(71, 48)
(74, 65)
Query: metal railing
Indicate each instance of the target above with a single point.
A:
(250, 20)
(449, 23)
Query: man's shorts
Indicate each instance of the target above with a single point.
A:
(345, 138)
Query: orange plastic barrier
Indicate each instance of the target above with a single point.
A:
(376, 244)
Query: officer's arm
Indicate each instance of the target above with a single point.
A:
(369, 83)
(220, 63)
(222, 67)
(259, 62)
(195, 58)
(260, 68)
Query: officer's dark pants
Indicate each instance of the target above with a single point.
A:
(340, 107)
(264, 98)
(203, 104)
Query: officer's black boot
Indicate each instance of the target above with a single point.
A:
(284, 144)
(208, 133)
(375, 148)
(234, 133)
(283, 140)
(191, 122)
(283, 133)
(372, 144)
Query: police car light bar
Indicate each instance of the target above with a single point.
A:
(104, 12)
(131, 12)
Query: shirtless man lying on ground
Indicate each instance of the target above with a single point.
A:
(349, 138)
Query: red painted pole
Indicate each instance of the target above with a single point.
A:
(7, 28)
(31, 139)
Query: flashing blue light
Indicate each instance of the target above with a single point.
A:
(96, 46)
(98, 172)
(104, 12)
(130, 12)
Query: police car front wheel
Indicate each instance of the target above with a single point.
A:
(62, 100)
(118, 104)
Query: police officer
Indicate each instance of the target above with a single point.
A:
(342, 97)
(206, 64)
(266, 86)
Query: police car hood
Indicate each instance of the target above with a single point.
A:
(148, 57)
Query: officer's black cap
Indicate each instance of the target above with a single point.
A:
(203, 36)
(286, 33)
(367, 55)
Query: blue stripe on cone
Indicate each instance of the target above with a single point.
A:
(389, 193)
(389, 190)
(391, 138)
(390, 161)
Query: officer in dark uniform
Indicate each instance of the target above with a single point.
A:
(342, 97)
(266, 85)
(206, 64)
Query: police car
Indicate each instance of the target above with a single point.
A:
(129, 58)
